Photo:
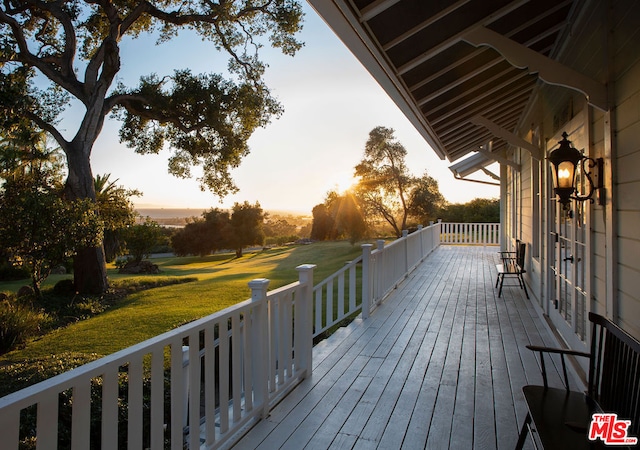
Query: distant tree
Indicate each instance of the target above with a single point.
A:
(453, 212)
(479, 210)
(73, 47)
(426, 201)
(323, 227)
(218, 229)
(203, 236)
(191, 239)
(483, 210)
(116, 211)
(278, 227)
(384, 182)
(246, 226)
(347, 217)
(141, 238)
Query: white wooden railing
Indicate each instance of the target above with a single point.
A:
(214, 377)
(470, 233)
(241, 359)
(375, 273)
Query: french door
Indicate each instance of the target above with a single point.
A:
(569, 253)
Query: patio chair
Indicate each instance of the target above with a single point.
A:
(512, 266)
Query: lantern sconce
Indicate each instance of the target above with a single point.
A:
(565, 160)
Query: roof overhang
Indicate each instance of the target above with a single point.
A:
(472, 164)
(463, 71)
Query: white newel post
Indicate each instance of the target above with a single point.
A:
(366, 280)
(304, 320)
(260, 343)
(421, 234)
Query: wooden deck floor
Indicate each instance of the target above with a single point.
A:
(440, 364)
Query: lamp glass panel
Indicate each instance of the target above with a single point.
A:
(566, 172)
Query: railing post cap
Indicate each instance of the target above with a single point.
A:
(306, 267)
(259, 283)
(420, 227)
(405, 233)
(367, 245)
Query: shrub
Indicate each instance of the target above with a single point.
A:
(18, 323)
(9, 272)
(64, 287)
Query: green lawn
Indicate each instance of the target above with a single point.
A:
(221, 282)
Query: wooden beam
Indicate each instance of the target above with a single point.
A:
(425, 56)
(506, 135)
(549, 70)
(421, 26)
(375, 8)
(498, 158)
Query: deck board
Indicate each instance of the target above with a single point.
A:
(439, 364)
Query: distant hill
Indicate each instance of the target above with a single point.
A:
(170, 213)
(179, 216)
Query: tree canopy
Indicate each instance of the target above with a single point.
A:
(384, 179)
(388, 190)
(218, 230)
(38, 230)
(72, 49)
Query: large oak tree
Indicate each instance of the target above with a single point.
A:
(385, 182)
(206, 119)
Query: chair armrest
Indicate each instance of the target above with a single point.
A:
(558, 351)
(537, 348)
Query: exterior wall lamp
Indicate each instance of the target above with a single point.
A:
(565, 160)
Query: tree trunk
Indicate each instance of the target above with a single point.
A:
(89, 264)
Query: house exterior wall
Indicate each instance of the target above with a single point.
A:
(627, 188)
(604, 46)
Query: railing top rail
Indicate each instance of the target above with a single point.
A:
(399, 240)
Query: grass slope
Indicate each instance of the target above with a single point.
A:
(222, 282)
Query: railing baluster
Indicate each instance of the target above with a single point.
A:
(178, 396)
(81, 415)
(236, 370)
(109, 408)
(194, 389)
(48, 422)
(248, 359)
(10, 427)
(134, 416)
(341, 295)
(223, 374)
(318, 310)
(157, 397)
(210, 383)
(352, 288)
(330, 301)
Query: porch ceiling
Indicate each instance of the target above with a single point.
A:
(456, 93)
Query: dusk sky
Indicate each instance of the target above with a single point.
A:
(331, 104)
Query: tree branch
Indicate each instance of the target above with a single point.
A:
(64, 75)
(49, 128)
